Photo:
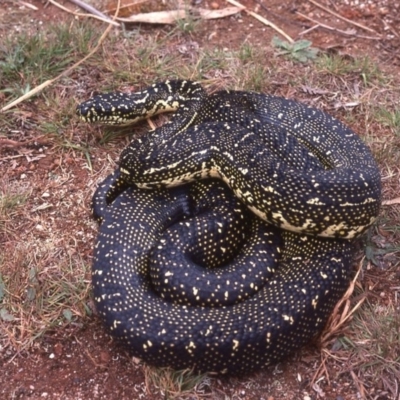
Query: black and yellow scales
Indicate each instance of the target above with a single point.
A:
(188, 275)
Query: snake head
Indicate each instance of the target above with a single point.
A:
(111, 108)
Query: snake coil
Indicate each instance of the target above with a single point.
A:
(187, 275)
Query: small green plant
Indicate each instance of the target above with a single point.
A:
(378, 330)
(56, 294)
(368, 70)
(212, 61)
(251, 70)
(174, 384)
(31, 60)
(339, 65)
(188, 24)
(390, 119)
(253, 77)
(26, 60)
(333, 64)
(113, 133)
(246, 53)
(299, 51)
(9, 202)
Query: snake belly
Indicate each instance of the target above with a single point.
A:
(310, 179)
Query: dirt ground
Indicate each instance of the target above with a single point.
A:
(80, 361)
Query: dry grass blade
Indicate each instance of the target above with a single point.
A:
(29, 5)
(325, 26)
(93, 12)
(342, 312)
(262, 19)
(340, 315)
(391, 201)
(127, 5)
(340, 17)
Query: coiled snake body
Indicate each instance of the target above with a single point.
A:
(194, 277)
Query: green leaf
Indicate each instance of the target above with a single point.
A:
(312, 53)
(281, 44)
(88, 309)
(67, 315)
(300, 51)
(369, 253)
(6, 316)
(299, 57)
(301, 45)
(32, 274)
(30, 293)
(2, 288)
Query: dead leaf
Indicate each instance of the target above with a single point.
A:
(313, 90)
(170, 17)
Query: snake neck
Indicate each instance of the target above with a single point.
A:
(184, 98)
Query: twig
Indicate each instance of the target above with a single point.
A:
(134, 3)
(387, 26)
(29, 5)
(322, 25)
(94, 13)
(273, 26)
(390, 202)
(14, 143)
(262, 19)
(309, 30)
(43, 85)
(358, 385)
(91, 9)
(336, 321)
(340, 17)
(277, 16)
(333, 4)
